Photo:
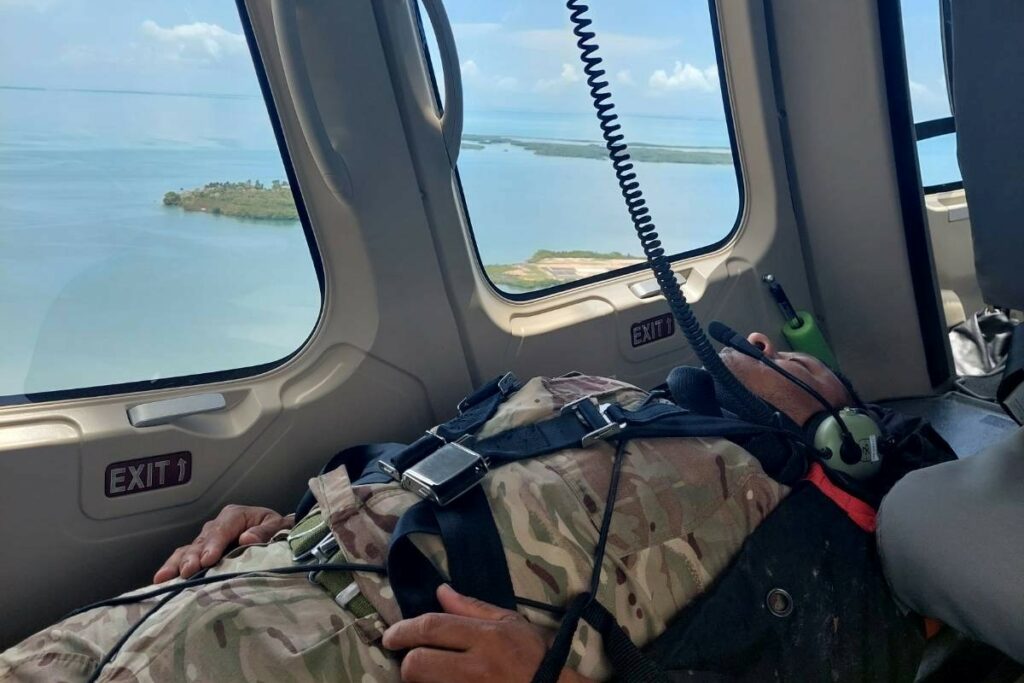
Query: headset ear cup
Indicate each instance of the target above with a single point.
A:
(857, 456)
(821, 439)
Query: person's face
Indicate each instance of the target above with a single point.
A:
(779, 391)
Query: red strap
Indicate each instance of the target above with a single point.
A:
(862, 514)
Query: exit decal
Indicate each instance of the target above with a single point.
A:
(652, 329)
(147, 474)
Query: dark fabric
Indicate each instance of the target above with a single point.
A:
(1013, 376)
(988, 90)
(356, 460)
(693, 389)
(844, 626)
(476, 556)
(629, 663)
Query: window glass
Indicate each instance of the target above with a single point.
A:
(147, 227)
(922, 34)
(543, 202)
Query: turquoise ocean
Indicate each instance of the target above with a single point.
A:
(101, 284)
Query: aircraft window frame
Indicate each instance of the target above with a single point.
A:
(946, 125)
(674, 259)
(217, 376)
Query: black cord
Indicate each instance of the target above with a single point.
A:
(175, 588)
(754, 409)
(112, 652)
(554, 659)
(606, 518)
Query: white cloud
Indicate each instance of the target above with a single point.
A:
(468, 30)
(558, 39)
(476, 78)
(569, 74)
(625, 77)
(919, 89)
(684, 77)
(197, 42)
(507, 83)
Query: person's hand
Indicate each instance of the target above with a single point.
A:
(235, 523)
(473, 641)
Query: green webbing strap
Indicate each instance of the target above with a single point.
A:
(305, 536)
(335, 582)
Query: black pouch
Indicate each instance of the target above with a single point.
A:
(805, 600)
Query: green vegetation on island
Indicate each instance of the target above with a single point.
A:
(642, 152)
(542, 254)
(547, 268)
(250, 199)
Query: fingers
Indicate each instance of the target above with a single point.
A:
(217, 534)
(426, 665)
(215, 537)
(456, 603)
(169, 570)
(265, 530)
(432, 630)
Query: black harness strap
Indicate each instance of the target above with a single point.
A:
(356, 461)
(656, 420)
(630, 664)
(476, 556)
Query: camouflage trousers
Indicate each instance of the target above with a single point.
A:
(683, 510)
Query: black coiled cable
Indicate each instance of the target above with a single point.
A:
(754, 409)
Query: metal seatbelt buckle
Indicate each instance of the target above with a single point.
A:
(446, 474)
(411, 454)
(506, 385)
(594, 416)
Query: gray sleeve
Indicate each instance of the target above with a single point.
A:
(951, 539)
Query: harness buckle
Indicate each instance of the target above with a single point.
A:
(506, 385)
(445, 474)
(321, 552)
(594, 416)
(416, 451)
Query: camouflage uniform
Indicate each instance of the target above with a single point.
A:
(684, 508)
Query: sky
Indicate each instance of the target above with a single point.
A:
(516, 54)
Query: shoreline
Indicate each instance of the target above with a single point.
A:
(583, 149)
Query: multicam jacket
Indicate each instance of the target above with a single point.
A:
(684, 508)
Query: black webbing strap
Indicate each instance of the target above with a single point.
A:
(657, 420)
(630, 664)
(356, 460)
(476, 556)
(474, 410)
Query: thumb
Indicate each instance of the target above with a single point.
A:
(461, 605)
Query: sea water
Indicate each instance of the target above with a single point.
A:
(101, 284)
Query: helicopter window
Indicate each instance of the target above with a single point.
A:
(148, 232)
(925, 30)
(545, 209)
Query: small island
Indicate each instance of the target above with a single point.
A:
(252, 200)
(581, 149)
(548, 268)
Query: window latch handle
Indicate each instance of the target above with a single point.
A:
(167, 411)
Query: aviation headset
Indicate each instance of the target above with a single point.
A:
(848, 439)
